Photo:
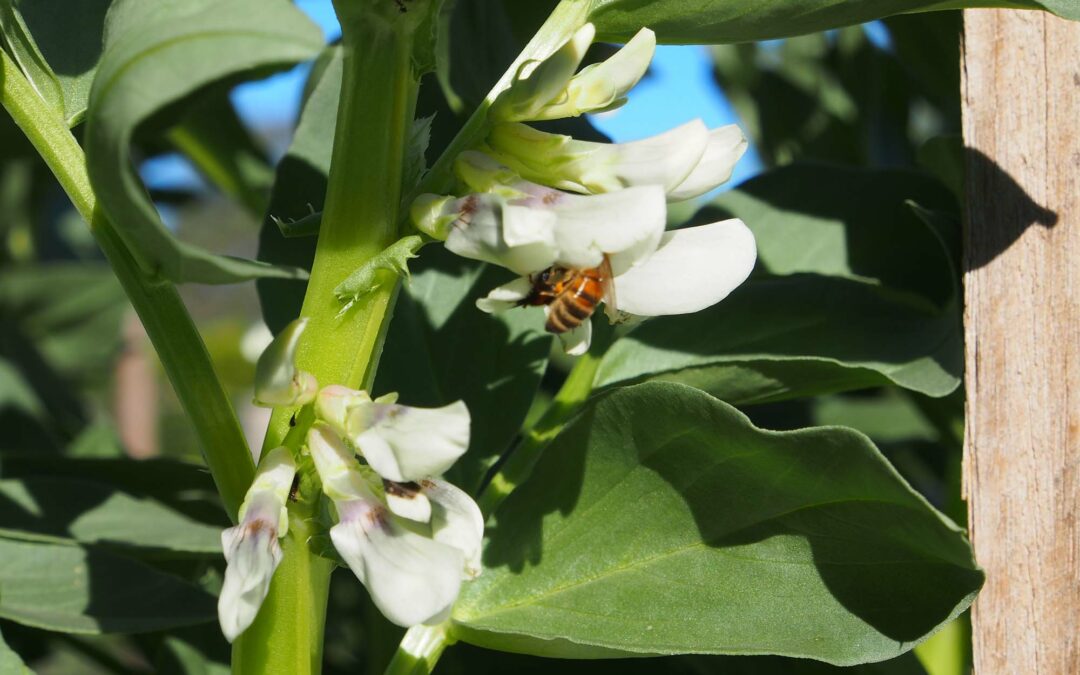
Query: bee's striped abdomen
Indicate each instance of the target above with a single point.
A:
(576, 303)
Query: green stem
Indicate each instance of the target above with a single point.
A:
(567, 402)
(287, 634)
(175, 337)
(359, 220)
(419, 650)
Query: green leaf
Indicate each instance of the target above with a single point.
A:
(198, 650)
(10, 662)
(16, 392)
(795, 336)
(71, 313)
(57, 45)
(72, 510)
(138, 78)
(441, 348)
(853, 289)
(25, 51)
(186, 488)
(848, 223)
(299, 190)
(661, 521)
(61, 331)
(218, 144)
(71, 589)
(729, 21)
(465, 658)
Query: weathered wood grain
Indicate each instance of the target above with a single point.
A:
(1021, 111)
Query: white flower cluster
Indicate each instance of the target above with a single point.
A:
(546, 205)
(410, 537)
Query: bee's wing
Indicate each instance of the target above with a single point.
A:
(610, 306)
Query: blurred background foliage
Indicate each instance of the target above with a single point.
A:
(86, 406)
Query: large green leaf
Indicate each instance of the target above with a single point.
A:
(70, 312)
(57, 45)
(185, 488)
(661, 521)
(853, 290)
(794, 336)
(441, 348)
(61, 330)
(71, 589)
(849, 223)
(724, 21)
(138, 78)
(65, 509)
(466, 658)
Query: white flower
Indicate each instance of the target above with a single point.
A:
(574, 251)
(412, 566)
(401, 443)
(687, 161)
(529, 228)
(252, 550)
(278, 382)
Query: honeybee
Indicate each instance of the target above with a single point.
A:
(571, 294)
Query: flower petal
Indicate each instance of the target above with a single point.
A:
(252, 553)
(412, 579)
(506, 296)
(725, 146)
(557, 160)
(665, 159)
(408, 501)
(576, 342)
(456, 520)
(520, 239)
(405, 444)
(337, 466)
(692, 269)
(625, 225)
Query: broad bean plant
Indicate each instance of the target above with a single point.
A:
(512, 361)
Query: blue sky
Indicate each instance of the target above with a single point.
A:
(681, 74)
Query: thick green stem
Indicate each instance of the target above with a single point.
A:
(359, 220)
(163, 314)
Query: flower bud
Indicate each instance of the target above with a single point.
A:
(433, 215)
(333, 403)
(278, 382)
(538, 83)
(603, 86)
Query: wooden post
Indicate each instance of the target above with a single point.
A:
(1021, 111)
